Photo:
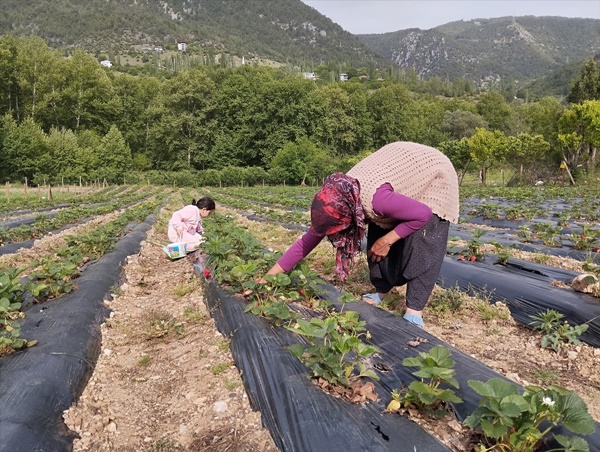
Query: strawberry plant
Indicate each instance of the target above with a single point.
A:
(501, 252)
(524, 233)
(513, 422)
(307, 283)
(435, 370)
(474, 249)
(586, 239)
(270, 299)
(334, 353)
(57, 276)
(549, 233)
(11, 297)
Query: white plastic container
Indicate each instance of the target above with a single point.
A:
(175, 250)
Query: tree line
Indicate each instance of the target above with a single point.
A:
(66, 118)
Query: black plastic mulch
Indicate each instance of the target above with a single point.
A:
(301, 417)
(39, 383)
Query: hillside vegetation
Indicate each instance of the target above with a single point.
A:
(513, 48)
(281, 30)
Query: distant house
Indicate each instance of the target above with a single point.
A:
(310, 75)
(363, 77)
(380, 79)
(182, 46)
(343, 77)
(106, 63)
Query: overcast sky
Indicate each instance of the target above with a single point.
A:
(382, 16)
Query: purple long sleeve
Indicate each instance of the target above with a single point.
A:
(299, 250)
(411, 214)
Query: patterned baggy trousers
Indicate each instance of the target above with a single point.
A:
(415, 261)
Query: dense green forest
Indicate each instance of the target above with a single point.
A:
(66, 118)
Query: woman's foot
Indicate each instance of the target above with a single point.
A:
(372, 298)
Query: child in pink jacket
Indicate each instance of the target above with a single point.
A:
(186, 224)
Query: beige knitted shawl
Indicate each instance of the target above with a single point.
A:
(414, 170)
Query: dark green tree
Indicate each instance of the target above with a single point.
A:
(390, 109)
(182, 118)
(114, 157)
(24, 146)
(495, 111)
(462, 124)
(587, 86)
(9, 85)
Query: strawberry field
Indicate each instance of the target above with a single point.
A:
(506, 325)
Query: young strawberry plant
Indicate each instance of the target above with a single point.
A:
(436, 369)
(307, 284)
(334, 353)
(586, 239)
(57, 275)
(270, 299)
(513, 422)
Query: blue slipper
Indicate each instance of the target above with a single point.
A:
(417, 320)
(373, 298)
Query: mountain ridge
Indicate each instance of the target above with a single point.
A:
(522, 47)
(486, 51)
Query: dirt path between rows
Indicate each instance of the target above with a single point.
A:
(165, 380)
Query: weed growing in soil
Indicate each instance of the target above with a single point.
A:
(489, 311)
(144, 361)
(446, 301)
(194, 314)
(546, 376)
(182, 290)
(220, 368)
(556, 334)
(161, 324)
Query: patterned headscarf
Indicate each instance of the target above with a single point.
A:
(336, 212)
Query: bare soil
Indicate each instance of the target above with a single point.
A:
(166, 381)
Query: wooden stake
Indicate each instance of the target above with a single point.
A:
(566, 168)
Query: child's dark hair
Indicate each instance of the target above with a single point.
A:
(204, 203)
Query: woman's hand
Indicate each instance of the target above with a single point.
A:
(381, 247)
(275, 269)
